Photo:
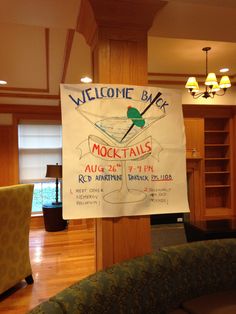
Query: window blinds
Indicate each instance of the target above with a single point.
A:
(39, 145)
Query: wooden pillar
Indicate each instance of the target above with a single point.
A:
(117, 33)
(8, 155)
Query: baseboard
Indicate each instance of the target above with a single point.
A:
(37, 222)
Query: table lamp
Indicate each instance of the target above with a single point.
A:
(54, 171)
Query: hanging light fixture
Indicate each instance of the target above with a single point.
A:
(212, 87)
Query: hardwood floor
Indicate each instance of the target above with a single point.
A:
(61, 258)
(58, 259)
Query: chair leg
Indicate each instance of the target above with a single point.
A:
(29, 279)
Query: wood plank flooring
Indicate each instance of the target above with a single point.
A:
(61, 258)
(58, 259)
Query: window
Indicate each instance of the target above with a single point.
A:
(39, 145)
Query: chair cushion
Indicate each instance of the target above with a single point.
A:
(215, 303)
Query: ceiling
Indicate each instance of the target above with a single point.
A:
(40, 47)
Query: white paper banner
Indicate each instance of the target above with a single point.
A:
(123, 151)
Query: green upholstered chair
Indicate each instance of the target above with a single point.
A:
(15, 212)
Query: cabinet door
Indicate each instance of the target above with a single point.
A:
(194, 130)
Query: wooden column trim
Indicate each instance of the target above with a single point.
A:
(195, 187)
(127, 18)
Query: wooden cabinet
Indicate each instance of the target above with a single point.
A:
(217, 170)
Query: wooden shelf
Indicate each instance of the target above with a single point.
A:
(216, 137)
(218, 208)
(217, 172)
(218, 212)
(216, 145)
(217, 186)
(217, 158)
(216, 131)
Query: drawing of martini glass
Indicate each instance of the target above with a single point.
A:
(122, 131)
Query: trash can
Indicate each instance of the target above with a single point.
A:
(52, 214)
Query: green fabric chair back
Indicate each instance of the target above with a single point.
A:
(15, 213)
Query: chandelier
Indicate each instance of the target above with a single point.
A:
(212, 87)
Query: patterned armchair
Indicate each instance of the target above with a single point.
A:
(15, 212)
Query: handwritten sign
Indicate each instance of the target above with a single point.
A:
(123, 151)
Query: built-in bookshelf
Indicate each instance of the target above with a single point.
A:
(217, 167)
(210, 136)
